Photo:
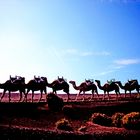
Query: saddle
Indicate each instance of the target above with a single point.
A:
(89, 82)
(61, 80)
(16, 79)
(110, 81)
(38, 79)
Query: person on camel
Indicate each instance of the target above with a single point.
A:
(110, 81)
(13, 79)
(89, 82)
(37, 79)
(60, 80)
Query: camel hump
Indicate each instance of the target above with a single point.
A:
(55, 82)
(83, 84)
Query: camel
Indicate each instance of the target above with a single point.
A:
(108, 87)
(13, 85)
(59, 84)
(85, 86)
(129, 86)
(36, 84)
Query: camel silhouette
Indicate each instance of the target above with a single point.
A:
(59, 84)
(36, 84)
(85, 86)
(129, 86)
(108, 87)
(12, 85)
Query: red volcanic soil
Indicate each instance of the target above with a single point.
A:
(15, 97)
(35, 120)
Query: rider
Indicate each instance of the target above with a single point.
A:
(13, 79)
(89, 82)
(60, 80)
(38, 79)
(110, 81)
(17, 79)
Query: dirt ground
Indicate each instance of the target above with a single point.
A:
(37, 118)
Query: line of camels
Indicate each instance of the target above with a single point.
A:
(17, 83)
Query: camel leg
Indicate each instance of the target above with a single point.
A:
(116, 95)
(117, 92)
(83, 95)
(92, 95)
(120, 94)
(108, 95)
(68, 97)
(54, 91)
(46, 95)
(20, 96)
(9, 96)
(24, 92)
(138, 96)
(32, 96)
(21, 91)
(40, 97)
(77, 95)
(3, 94)
(104, 95)
(25, 97)
(67, 92)
(97, 95)
(125, 95)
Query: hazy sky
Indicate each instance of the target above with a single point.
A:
(76, 39)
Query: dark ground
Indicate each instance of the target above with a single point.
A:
(35, 120)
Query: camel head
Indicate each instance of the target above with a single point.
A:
(72, 82)
(97, 81)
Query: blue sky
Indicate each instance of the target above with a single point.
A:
(77, 39)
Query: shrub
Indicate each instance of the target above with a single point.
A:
(131, 120)
(117, 119)
(55, 103)
(76, 113)
(101, 119)
(71, 112)
(63, 124)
